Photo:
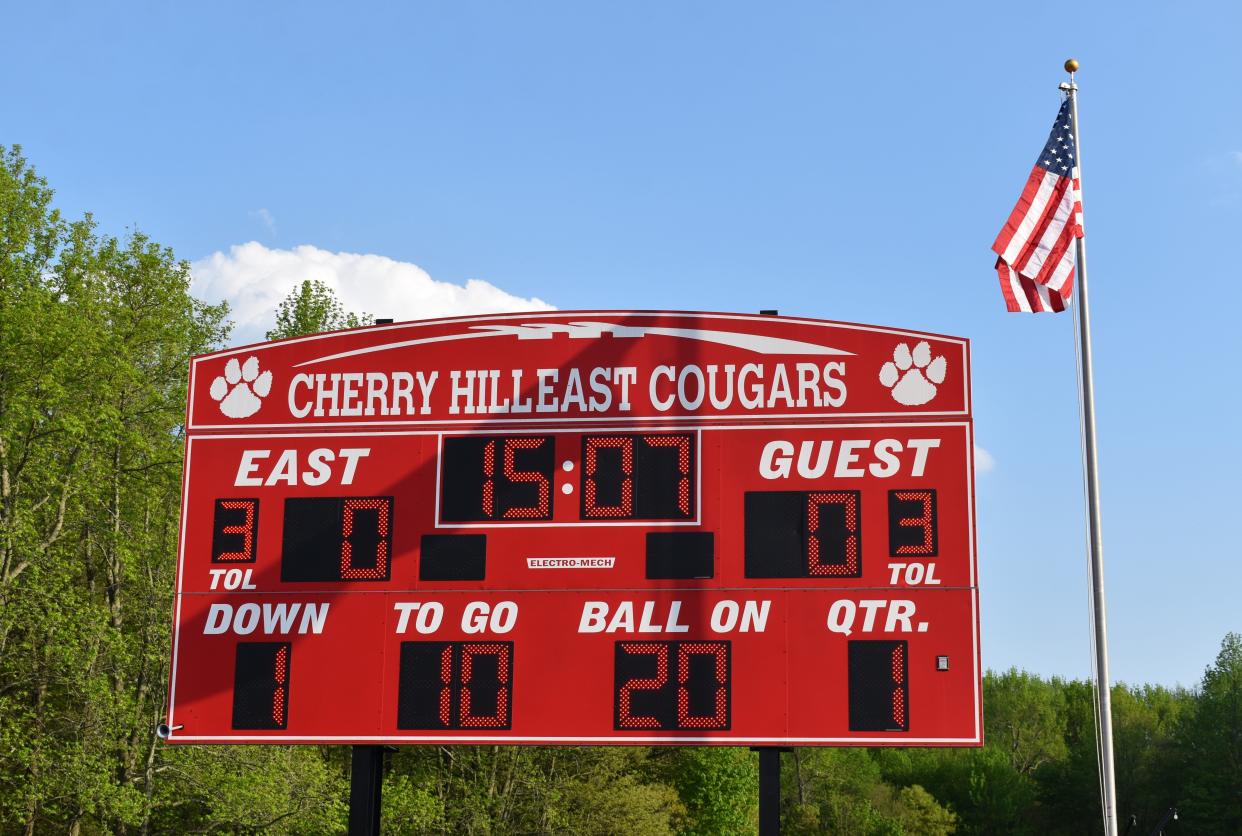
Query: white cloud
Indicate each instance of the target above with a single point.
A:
(1237, 157)
(254, 279)
(984, 461)
(264, 217)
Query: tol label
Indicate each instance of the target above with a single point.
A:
(913, 574)
(231, 578)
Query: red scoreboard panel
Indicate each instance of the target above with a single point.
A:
(587, 527)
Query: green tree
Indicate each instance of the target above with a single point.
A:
(918, 812)
(95, 334)
(1023, 718)
(1145, 724)
(1211, 747)
(1069, 788)
(248, 789)
(844, 791)
(312, 308)
(717, 786)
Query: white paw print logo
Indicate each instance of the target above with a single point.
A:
(913, 375)
(241, 388)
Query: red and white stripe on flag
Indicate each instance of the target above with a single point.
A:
(1035, 260)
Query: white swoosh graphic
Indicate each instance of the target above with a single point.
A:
(756, 343)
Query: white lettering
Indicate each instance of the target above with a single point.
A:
(246, 619)
(835, 384)
(771, 467)
(543, 389)
(249, 464)
(218, 618)
(351, 456)
(847, 457)
(755, 616)
(884, 450)
(656, 401)
(352, 384)
(319, 472)
(724, 616)
(425, 384)
(624, 375)
(593, 614)
(402, 391)
(377, 393)
(285, 469)
(921, 447)
(296, 409)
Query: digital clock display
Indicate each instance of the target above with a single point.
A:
(500, 479)
(607, 538)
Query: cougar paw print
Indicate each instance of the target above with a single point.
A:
(912, 376)
(241, 389)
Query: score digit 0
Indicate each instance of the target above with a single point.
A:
(681, 686)
(337, 539)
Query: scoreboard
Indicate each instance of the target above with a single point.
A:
(580, 527)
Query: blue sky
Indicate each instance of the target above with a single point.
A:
(844, 161)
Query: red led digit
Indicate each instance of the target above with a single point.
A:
(682, 443)
(541, 510)
(261, 685)
(899, 691)
(380, 570)
(281, 675)
(626, 508)
(879, 685)
(845, 562)
(489, 482)
(720, 719)
(250, 507)
(925, 521)
(446, 682)
(502, 652)
(660, 651)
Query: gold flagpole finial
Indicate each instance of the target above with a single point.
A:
(1071, 65)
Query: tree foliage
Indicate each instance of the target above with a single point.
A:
(1211, 746)
(312, 308)
(95, 336)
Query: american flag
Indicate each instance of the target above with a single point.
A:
(1036, 261)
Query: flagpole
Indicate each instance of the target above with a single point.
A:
(1104, 708)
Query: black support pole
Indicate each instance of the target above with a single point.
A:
(769, 789)
(366, 782)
